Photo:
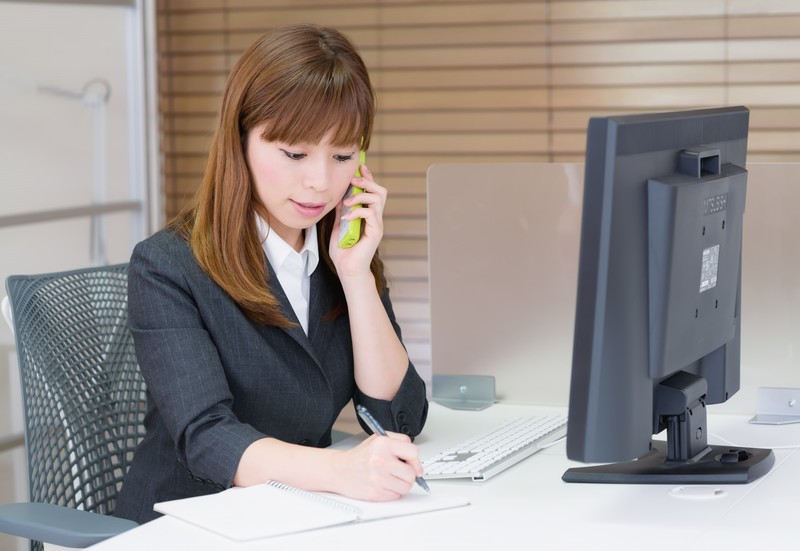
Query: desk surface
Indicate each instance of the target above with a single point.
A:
(529, 504)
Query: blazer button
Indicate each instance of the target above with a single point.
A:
(405, 429)
(402, 417)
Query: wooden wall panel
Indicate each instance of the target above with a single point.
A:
(489, 81)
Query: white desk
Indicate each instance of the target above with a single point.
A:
(529, 504)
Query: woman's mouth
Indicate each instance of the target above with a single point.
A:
(309, 209)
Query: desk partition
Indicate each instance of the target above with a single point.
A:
(503, 255)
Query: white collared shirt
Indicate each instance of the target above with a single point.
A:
(293, 268)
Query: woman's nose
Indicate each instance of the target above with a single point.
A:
(317, 176)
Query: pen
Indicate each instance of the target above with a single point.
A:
(376, 427)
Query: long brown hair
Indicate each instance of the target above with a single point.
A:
(304, 80)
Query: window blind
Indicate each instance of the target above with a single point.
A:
(490, 81)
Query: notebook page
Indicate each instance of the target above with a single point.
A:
(257, 512)
(416, 501)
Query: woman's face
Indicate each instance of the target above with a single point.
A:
(299, 183)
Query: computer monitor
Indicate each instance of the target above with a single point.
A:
(658, 308)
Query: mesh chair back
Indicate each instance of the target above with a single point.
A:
(84, 397)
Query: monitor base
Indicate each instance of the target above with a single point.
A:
(717, 465)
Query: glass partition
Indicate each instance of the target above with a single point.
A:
(503, 258)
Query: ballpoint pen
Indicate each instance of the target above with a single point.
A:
(376, 427)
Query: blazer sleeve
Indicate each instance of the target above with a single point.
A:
(184, 375)
(407, 411)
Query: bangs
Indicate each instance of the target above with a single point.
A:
(317, 106)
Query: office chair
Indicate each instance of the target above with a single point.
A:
(84, 402)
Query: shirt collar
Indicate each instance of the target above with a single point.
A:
(278, 250)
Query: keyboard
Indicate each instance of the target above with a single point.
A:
(493, 452)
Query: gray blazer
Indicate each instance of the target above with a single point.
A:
(217, 381)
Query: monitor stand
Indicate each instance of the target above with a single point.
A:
(685, 457)
(716, 465)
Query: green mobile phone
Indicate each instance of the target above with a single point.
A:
(350, 230)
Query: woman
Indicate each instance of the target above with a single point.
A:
(252, 327)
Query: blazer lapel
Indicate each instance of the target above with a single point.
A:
(324, 292)
(296, 331)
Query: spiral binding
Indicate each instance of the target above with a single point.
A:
(316, 497)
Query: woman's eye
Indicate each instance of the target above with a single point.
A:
(343, 158)
(293, 156)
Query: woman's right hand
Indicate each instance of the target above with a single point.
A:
(379, 469)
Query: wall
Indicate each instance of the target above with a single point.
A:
(46, 159)
(46, 138)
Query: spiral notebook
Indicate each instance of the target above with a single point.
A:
(274, 509)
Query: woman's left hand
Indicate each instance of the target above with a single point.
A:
(355, 261)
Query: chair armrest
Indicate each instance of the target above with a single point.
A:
(59, 525)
